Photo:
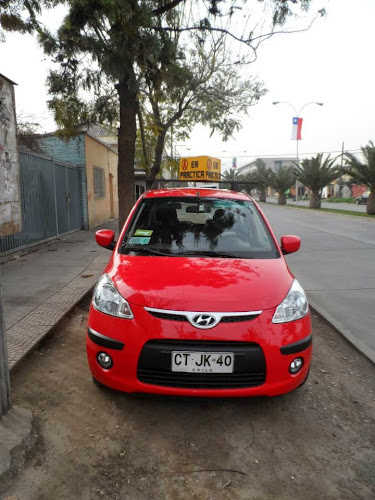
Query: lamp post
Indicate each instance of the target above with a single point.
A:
(297, 115)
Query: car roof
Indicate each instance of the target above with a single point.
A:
(197, 191)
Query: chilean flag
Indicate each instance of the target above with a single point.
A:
(297, 128)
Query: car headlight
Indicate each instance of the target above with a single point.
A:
(107, 299)
(294, 306)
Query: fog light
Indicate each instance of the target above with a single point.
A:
(296, 365)
(104, 360)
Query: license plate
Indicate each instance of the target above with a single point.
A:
(202, 362)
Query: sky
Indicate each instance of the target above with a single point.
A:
(332, 63)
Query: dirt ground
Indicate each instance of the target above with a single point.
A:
(315, 443)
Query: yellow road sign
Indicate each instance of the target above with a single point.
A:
(201, 168)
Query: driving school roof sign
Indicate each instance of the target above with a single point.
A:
(200, 168)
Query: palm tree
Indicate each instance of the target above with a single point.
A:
(364, 173)
(282, 180)
(261, 175)
(243, 183)
(315, 174)
(229, 175)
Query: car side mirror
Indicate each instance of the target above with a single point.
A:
(290, 244)
(105, 238)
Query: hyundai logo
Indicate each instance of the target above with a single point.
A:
(204, 320)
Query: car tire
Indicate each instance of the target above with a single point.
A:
(304, 380)
(99, 384)
(357, 202)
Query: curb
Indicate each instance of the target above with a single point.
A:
(16, 438)
(347, 334)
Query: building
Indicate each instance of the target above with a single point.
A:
(98, 164)
(109, 137)
(272, 163)
(10, 198)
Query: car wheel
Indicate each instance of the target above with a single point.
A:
(357, 202)
(304, 380)
(99, 384)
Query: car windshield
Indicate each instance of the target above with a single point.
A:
(202, 227)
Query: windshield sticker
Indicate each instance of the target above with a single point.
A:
(139, 240)
(143, 232)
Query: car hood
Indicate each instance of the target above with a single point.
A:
(201, 284)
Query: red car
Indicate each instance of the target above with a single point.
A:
(197, 300)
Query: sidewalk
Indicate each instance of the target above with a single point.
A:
(40, 287)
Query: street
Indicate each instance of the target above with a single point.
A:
(317, 442)
(336, 267)
(352, 207)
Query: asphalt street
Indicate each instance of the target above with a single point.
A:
(327, 204)
(336, 267)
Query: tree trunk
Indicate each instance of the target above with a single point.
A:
(126, 149)
(371, 203)
(282, 199)
(158, 155)
(315, 199)
(262, 194)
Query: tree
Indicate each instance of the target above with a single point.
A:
(230, 175)
(27, 130)
(364, 173)
(316, 173)
(281, 181)
(112, 43)
(107, 44)
(202, 87)
(261, 175)
(19, 16)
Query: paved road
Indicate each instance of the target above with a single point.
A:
(336, 266)
(325, 204)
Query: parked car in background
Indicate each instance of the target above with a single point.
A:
(197, 300)
(362, 200)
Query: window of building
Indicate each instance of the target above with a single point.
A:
(139, 190)
(99, 182)
(278, 164)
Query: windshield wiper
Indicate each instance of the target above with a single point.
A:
(207, 253)
(146, 251)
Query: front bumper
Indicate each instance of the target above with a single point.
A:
(140, 349)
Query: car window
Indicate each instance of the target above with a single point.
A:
(198, 227)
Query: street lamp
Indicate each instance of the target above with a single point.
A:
(297, 115)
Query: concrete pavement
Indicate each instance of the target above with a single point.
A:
(40, 287)
(336, 267)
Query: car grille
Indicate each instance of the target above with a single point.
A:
(224, 319)
(154, 365)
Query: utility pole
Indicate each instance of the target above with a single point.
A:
(342, 169)
(5, 395)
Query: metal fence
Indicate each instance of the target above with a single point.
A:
(50, 199)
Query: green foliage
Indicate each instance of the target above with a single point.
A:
(316, 173)
(340, 200)
(282, 179)
(18, 16)
(363, 173)
(261, 175)
(27, 130)
(230, 175)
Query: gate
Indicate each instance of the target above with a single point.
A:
(50, 200)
